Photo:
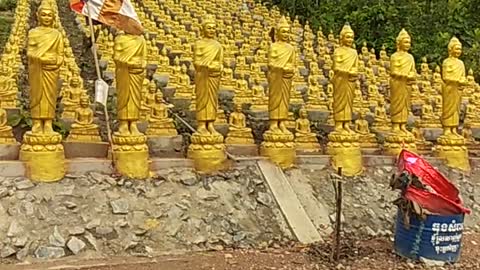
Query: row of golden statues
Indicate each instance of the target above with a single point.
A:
(247, 59)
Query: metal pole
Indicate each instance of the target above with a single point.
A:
(99, 76)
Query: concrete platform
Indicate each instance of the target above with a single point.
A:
(86, 149)
(9, 151)
(165, 146)
(243, 149)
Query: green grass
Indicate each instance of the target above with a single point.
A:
(5, 27)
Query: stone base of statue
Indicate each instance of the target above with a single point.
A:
(165, 146)
(243, 149)
(9, 147)
(207, 152)
(369, 144)
(424, 147)
(81, 135)
(8, 104)
(346, 153)
(473, 148)
(453, 150)
(432, 133)
(75, 149)
(279, 147)
(395, 142)
(131, 155)
(44, 156)
(307, 144)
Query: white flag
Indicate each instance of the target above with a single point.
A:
(101, 92)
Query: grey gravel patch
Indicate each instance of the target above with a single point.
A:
(44, 252)
(120, 206)
(75, 245)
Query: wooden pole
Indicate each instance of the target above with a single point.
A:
(99, 76)
(338, 217)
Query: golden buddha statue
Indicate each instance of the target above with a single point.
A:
(472, 145)
(428, 118)
(159, 122)
(278, 142)
(8, 89)
(417, 97)
(344, 143)
(83, 129)
(42, 149)
(367, 139)
(451, 145)
(345, 68)
(437, 77)
(238, 132)
(163, 62)
(228, 81)
(471, 114)
(317, 99)
(365, 52)
(423, 146)
(185, 88)
(381, 121)
(129, 144)
(6, 134)
(207, 148)
(402, 73)
(425, 69)
(454, 77)
(305, 139)
(71, 98)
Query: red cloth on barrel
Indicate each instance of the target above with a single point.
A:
(443, 200)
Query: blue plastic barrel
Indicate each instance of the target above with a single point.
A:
(436, 238)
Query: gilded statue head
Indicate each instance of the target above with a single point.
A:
(238, 108)
(454, 48)
(159, 97)
(84, 101)
(404, 41)
(209, 27)
(282, 31)
(74, 82)
(46, 14)
(303, 113)
(346, 36)
(152, 87)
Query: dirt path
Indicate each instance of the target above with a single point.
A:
(373, 254)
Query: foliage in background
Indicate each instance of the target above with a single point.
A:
(431, 23)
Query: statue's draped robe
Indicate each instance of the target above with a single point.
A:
(281, 56)
(402, 65)
(208, 52)
(129, 49)
(453, 73)
(345, 61)
(43, 42)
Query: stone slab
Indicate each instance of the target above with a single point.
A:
(12, 168)
(9, 151)
(157, 164)
(165, 146)
(432, 134)
(161, 79)
(476, 133)
(317, 115)
(242, 149)
(181, 104)
(291, 207)
(86, 149)
(222, 129)
(260, 115)
(169, 91)
(316, 210)
(142, 126)
(86, 165)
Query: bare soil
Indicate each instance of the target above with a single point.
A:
(357, 254)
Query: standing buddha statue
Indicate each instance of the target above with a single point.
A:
(451, 145)
(344, 143)
(129, 144)
(42, 148)
(402, 74)
(207, 148)
(278, 140)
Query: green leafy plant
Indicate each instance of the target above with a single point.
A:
(23, 120)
